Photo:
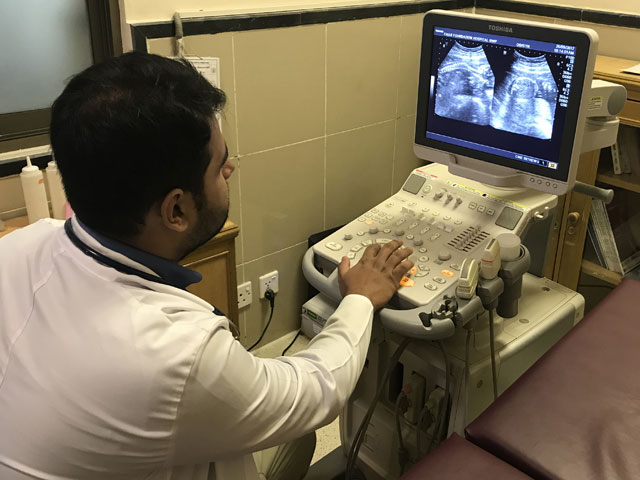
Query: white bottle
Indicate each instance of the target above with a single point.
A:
(56, 191)
(35, 195)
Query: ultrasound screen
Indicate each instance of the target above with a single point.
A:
(501, 95)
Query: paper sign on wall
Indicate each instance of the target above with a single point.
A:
(209, 68)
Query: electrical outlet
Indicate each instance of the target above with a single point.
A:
(268, 280)
(245, 295)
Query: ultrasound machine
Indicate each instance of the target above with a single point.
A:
(505, 107)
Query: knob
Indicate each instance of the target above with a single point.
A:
(417, 242)
(458, 200)
(347, 236)
(373, 230)
(449, 197)
(439, 194)
(573, 218)
(444, 255)
(399, 233)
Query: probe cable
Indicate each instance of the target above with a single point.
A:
(444, 406)
(272, 301)
(492, 346)
(359, 436)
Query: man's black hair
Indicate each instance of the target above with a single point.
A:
(127, 131)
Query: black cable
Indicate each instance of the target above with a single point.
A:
(362, 430)
(269, 295)
(492, 346)
(292, 342)
(444, 406)
(403, 453)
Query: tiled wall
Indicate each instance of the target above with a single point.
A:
(320, 120)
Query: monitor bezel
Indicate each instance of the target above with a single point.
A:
(574, 120)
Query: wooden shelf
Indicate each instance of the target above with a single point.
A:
(628, 181)
(601, 273)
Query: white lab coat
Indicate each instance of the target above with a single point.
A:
(105, 375)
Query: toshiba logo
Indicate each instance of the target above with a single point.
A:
(500, 28)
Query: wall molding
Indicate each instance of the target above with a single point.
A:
(140, 33)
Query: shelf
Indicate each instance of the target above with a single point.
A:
(601, 273)
(628, 181)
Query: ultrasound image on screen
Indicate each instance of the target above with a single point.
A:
(525, 101)
(465, 86)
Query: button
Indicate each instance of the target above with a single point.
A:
(407, 282)
(539, 182)
(455, 266)
(360, 233)
(439, 194)
(399, 233)
(440, 226)
(400, 222)
(389, 216)
(417, 242)
(351, 255)
(422, 250)
(374, 210)
(423, 258)
(368, 214)
(389, 205)
(413, 270)
(361, 219)
(424, 268)
(425, 210)
(490, 211)
(439, 280)
(383, 222)
(347, 236)
(335, 246)
(435, 236)
(386, 230)
(409, 237)
(548, 184)
(449, 197)
(426, 189)
(473, 205)
(448, 273)
(430, 286)
(435, 214)
(413, 225)
(413, 204)
(457, 222)
(421, 274)
(532, 180)
(448, 228)
(446, 217)
(424, 230)
(369, 222)
(356, 248)
(382, 241)
(444, 255)
(367, 243)
(481, 208)
(555, 185)
(373, 230)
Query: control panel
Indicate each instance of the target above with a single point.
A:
(444, 219)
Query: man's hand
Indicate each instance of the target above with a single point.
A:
(378, 273)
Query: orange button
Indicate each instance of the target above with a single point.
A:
(413, 271)
(368, 222)
(448, 273)
(407, 282)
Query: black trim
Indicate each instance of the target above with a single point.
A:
(14, 167)
(566, 13)
(212, 25)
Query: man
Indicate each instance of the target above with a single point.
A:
(109, 369)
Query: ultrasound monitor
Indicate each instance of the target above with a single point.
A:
(503, 101)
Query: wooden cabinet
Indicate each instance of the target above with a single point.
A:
(215, 260)
(574, 208)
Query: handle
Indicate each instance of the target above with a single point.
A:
(604, 194)
(404, 322)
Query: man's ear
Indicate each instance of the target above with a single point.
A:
(177, 210)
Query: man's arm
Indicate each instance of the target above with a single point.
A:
(235, 403)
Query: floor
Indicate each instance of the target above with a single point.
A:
(328, 437)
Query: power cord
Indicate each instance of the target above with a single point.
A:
(292, 342)
(271, 296)
(362, 430)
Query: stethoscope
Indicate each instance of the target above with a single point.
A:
(126, 269)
